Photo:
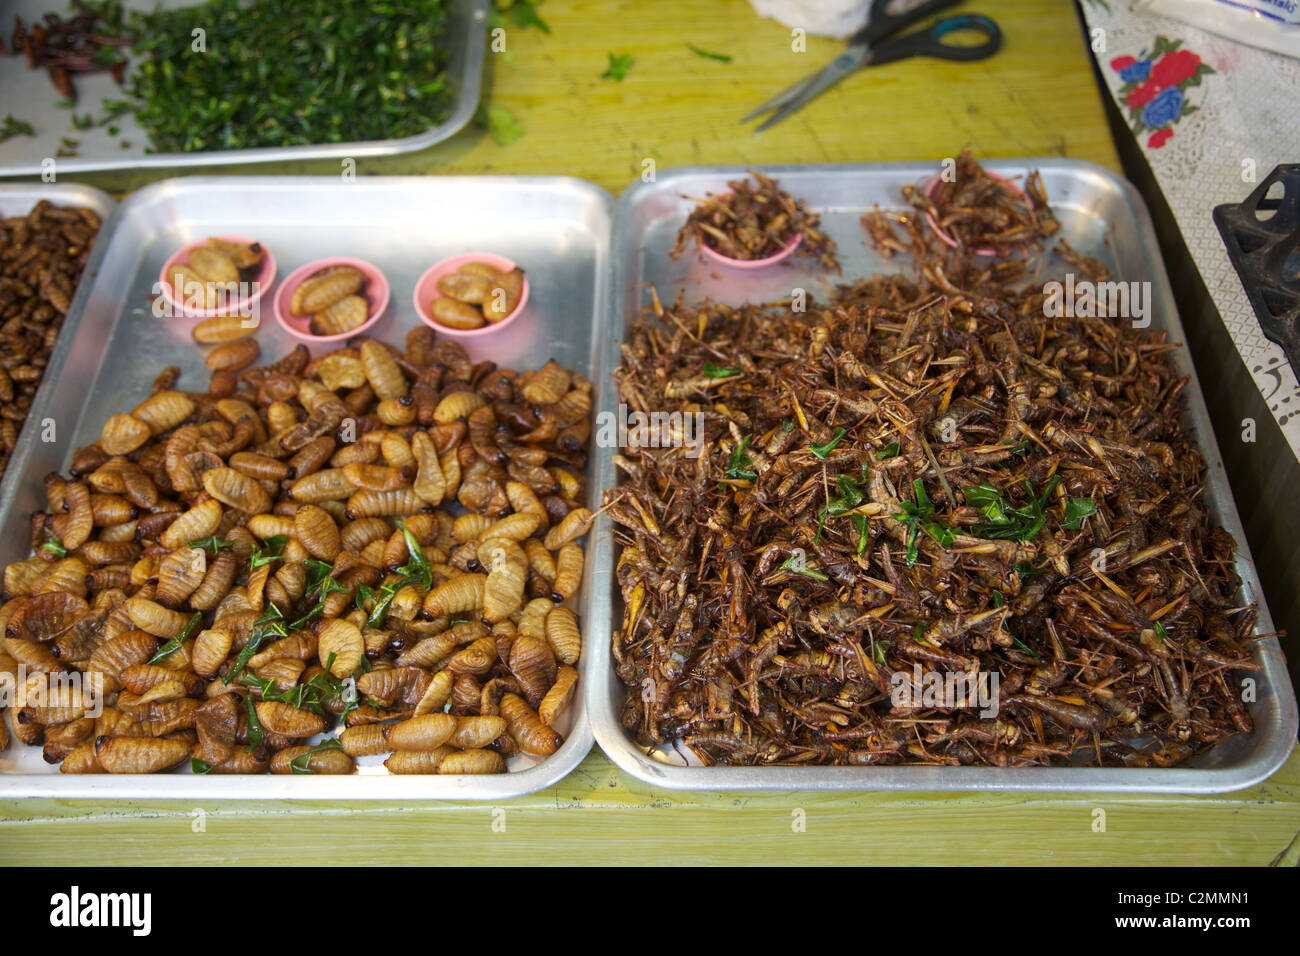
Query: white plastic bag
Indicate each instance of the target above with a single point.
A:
(1269, 24)
(828, 18)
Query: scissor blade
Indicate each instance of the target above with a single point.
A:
(817, 84)
(787, 94)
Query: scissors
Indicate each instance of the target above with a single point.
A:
(868, 47)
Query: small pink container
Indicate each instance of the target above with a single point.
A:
(1007, 184)
(426, 290)
(791, 245)
(299, 326)
(262, 281)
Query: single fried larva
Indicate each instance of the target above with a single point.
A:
(348, 313)
(163, 411)
(80, 517)
(472, 762)
(540, 561)
(547, 385)
(461, 594)
(436, 694)
(139, 754)
(364, 740)
(211, 648)
(396, 412)
(403, 501)
(322, 289)
(558, 697)
(81, 760)
(317, 532)
(217, 581)
(179, 575)
(567, 483)
(329, 760)
(516, 527)
(504, 295)
(143, 678)
(461, 316)
(282, 672)
(476, 658)
(123, 434)
(130, 647)
(232, 356)
(241, 761)
(192, 290)
(342, 639)
(328, 484)
(222, 329)
(458, 405)
(382, 371)
(503, 591)
(533, 666)
(573, 526)
(464, 287)
(287, 720)
(244, 255)
(525, 501)
(237, 490)
(564, 635)
(426, 732)
(213, 265)
(268, 526)
(416, 761)
(527, 729)
(367, 477)
(429, 484)
(341, 371)
(111, 510)
(568, 571)
(259, 466)
(468, 527)
(199, 522)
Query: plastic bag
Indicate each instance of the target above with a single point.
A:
(1269, 24)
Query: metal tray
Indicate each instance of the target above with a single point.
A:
(33, 92)
(558, 228)
(1101, 215)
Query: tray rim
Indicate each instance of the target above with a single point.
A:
(359, 786)
(468, 92)
(1282, 725)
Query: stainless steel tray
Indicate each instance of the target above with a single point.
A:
(1101, 215)
(31, 97)
(557, 228)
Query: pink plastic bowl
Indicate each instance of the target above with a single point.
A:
(262, 281)
(426, 290)
(791, 245)
(1007, 184)
(299, 326)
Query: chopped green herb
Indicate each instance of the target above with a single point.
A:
(1003, 521)
(862, 524)
(618, 67)
(821, 451)
(916, 516)
(302, 763)
(55, 546)
(717, 371)
(501, 124)
(1161, 632)
(199, 766)
(15, 127)
(184, 635)
(270, 623)
(738, 466)
(211, 544)
(890, 451)
(255, 732)
(524, 13)
(798, 563)
(720, 57)
(1076, 509)
(272, 549)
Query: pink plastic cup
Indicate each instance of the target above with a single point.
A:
(376, 293)
(262, 282)
(426, 290)
(790, 246)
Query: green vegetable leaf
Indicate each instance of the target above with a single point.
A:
(181, 637)
(211, 544)
(272, 549)
(524, 13)
(1076, 509)
(738, 466)
(890, 451)
(15, 127)
(798, 563)
(862, 524)
(720, 57)
(502, 125)
(256, 735)
(1160, 630)
(301, 763)
(55, 546)
(821, 451)
(270, 623)
(717, 371)
(199, 766)
(618, 67)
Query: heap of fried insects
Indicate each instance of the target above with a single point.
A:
(926, 471)
(756, 220)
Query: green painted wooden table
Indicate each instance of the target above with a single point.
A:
(1036, 98)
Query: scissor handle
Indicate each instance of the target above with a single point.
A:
(932, 41)
(890, 16)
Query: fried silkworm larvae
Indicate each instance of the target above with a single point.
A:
(464, 287)
(396, 412)
(477, 268)
(504, 295)
(192, 289)
(163, 411)
(342, 639)
(515, 527)
(329, 484)
(179, 575)
(416, 761)
(403, 501)
(111, 510)
(268, 526)
(472, 762)
(237, 490)
(547, 385)
(123, 434)
(436, 694)
(139, 754)
(503, 591)
(458, 405)
(458, 595)
(223, 329)
(67, 575)
(573, 526)
(80, 517)
(260, 467)
(232, 356)
(287, 720)
(213, 265)
(328, 761)
(476, 658)
(341, 370)
(456, 315)
(322, 289)
(568, 571)
(217, 581)
(382, 371)
(524, 501)
(426, 732)
(199, 522)
(242, 762)
(81, 760)
(429, 484)
(429, 652)
(355, 535)
(540, 560)
(317, 532)
(364, 740)
(211, 648)
(152, 618)
(348, 313)
(564, 635)
(558, 697)
(368, 477)
(244, 255)
(533, 666)
(468, 527)
(527, 729)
